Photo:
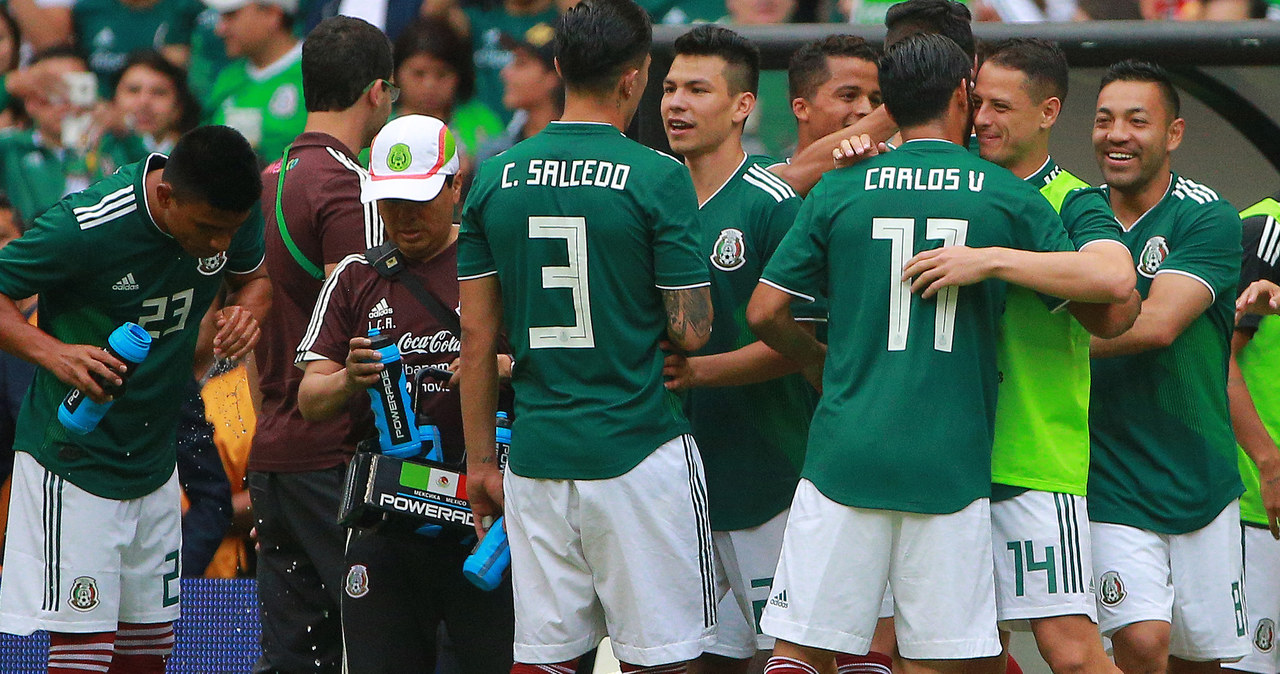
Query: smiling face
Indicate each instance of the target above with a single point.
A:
(698, 110)
(1008, 118)
(1134, 131)
(851, 93)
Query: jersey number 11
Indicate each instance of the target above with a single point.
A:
(901, 233)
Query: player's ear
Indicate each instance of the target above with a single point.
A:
(743, 106)
(800, 108)
(1049, 111)
(1174, 136)
(164, 195)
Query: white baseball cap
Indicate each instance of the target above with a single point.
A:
(290, 7)
(409, 159)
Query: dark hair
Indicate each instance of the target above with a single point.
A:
(919, 75)
(16, 32)
(217, 166)
(740, 56)
(944, 17)
(189, 115)
(598, 40)
(438, 39)
(340, 59)
(1041, 61)
(809, 67)
(1141, 71)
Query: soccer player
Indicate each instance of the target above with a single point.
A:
(1255, 417)
(296, 467)
(581, 244)
(387, 626)
(92, 553)
(889, 489)
(748, 405)
(834, 83)
(1040, 459)
(1163, 475)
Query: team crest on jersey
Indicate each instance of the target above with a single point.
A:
(357, 584)
(1264, 638)
(84, 594)
(1153, 255)
(730, 251)
(211, 265)
(1112, 589)
(284, 102)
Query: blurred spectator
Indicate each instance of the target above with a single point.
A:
(532, 89)
(391, 16)
(15, 375)
(437, 78)
(44, 23)
(208, 56)
(150, 110)
(684, 11)
(487, 25)
(107, 31)
(41, 165)
(1228, 10)
(260, 94)
(11, 113)
(771, 129)
(1026, 11)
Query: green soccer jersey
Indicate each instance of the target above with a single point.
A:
(35, 176)
(1163, 455)
(1259, 362)
(109, 30)
(487, 27)
(584, 229)
(263, 104)
(1042, 412)
(208, 56)
(909, 390)
(98, 260)
(752, 437)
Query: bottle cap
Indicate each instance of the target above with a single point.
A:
(131, 341)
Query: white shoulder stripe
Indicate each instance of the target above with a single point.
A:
(322, 303)
(768, 175)
(793, 293)
(771, 190)
(1269, 246)
(104, 201)
(113, 215)
(116, 204)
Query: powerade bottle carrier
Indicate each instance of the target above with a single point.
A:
(129, 344)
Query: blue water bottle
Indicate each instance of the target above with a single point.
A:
(502, 433)
(129, 344)
(486, 566)
(397, 430)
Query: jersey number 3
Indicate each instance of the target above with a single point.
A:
(572, 276)
(901, 234)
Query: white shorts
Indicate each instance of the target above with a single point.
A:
(748, 558)
(79, 563)
(836, 560)
(1044, 565)
(1193, 581)
(627, 557)
(1262, 573)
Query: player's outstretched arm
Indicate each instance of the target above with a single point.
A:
(769, 315)
(327, 386)
(807, 167)
(1107, 320)
(1262, 297)
(751, 364)
(79, 366)
(689, 315)
(1173, 302)
(1252, 436)
(481, 302)
(1081, 276)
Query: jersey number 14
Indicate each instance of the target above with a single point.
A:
(901, 234)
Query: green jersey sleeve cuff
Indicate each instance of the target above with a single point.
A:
(1212, 293)
(472, 277)
(789, 291)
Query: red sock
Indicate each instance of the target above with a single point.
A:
(80, 653)
(871, 663)
(559, 668)
(674, 668)
(142, 648)
(780, 665)
(1012, 667)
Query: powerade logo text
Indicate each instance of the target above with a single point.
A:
(427, 509)
(391, 401)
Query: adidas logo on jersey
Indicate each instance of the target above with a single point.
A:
(779, 600)
(126, 283)
(380, 309)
